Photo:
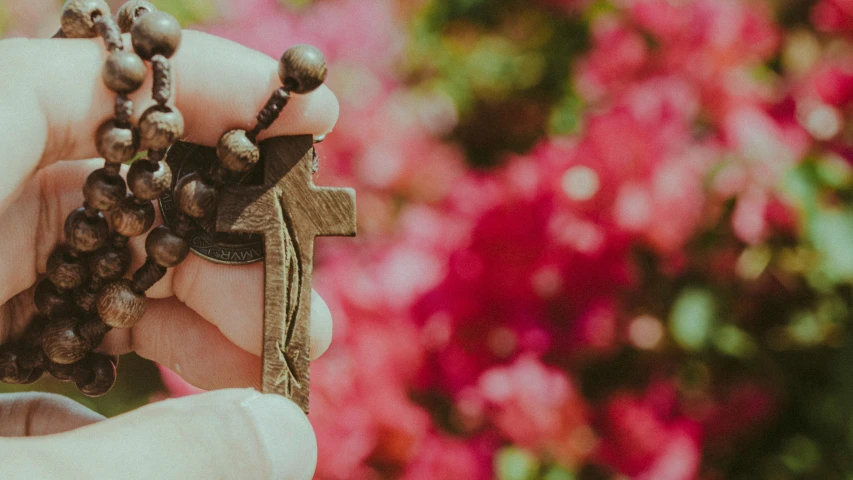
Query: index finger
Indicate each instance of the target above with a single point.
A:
(54, 99)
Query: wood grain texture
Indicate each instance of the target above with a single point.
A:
(289, 211)
(119, 306)
(62, 342)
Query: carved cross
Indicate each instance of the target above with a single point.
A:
(289, 211)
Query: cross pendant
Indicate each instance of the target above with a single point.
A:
(289, 211)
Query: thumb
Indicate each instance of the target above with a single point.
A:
(226, 434)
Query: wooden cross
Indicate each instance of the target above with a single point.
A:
(289, 211)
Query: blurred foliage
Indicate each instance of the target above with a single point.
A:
(4, 20)
(188, 12)
(506, 66)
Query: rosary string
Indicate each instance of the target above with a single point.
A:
(85, 293)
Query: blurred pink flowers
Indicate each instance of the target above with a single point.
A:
(477, 309)
(539, 409)
(643, 440)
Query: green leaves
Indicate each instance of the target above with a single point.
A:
(188, 12)
(513, 463)
(692, 318)
(831, 232)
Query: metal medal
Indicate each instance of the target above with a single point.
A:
(228, 248)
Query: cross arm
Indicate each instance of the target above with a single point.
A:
(332, 210)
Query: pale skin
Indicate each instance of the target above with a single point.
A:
(203, 320)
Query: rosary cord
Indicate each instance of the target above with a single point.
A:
(85, 293)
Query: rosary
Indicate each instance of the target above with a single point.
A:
(241, 202)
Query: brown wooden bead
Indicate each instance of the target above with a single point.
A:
(109, 262)
(236, 152)
(195, 197)
(165, 248)
(148, 180)
(155, 33)
(63, 373)
(32, 357)
(29, 342)
(86, 233)
(124, 72)
(147, 275)
(34, 376)
(92, 331)
(81, 375)
(50, 301)
(62, 342)
(79, 17)
(183, 226)
(10, 371)
(32, 334)
(103, 190)
(97, 375)
(29, 375)
(160, 126)
(17, 365)
(8, 363)
(132, 218)
(131, 11)
(117, 144)
(65, 270)
(85, 299)
(215, 174)
(119, 306)
(302, 69)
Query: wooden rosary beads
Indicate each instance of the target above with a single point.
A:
(85, 293)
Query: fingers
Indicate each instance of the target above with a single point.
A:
(321, 326)
(227, 434)
(33, 414)
(229, 297)
(54, 99)
(181, 340)
(232, 298)
(177, 337)
(174, 335)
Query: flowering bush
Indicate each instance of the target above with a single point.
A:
(598, 239)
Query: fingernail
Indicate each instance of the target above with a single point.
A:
(286, 435)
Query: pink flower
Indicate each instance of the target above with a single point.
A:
(511, 289)
(749, 220)
(442, 457)
(833, 15)
(642, 439)
(538, 408)
(619, 56)
(834, 84)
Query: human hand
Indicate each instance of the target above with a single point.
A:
(203, 320)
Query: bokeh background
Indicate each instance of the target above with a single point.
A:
(599, 239)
